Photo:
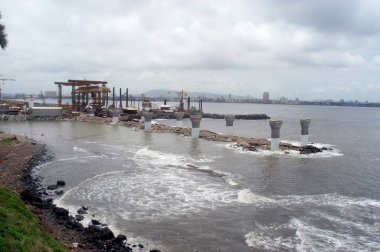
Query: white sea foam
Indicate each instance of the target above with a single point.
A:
(161, 160)
(246, 196)
(79, 149)
(307, 236)
(67, 159)
(331, 152)
(152, 195)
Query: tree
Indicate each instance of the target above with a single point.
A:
(3, 36)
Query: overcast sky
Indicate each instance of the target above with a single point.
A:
(325, 49)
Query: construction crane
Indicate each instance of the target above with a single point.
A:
(42, 98)
(4, 80)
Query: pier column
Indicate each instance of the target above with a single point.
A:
(59, 95)
(148, 120)
(120, 102)
(115, 117)
(179, 117)
(229, 123)
(305, 123)
(73, 102)
(275, 127)
(195, 123)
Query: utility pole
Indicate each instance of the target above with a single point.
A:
(4, 80)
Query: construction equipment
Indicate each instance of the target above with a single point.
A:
(42, 97)
(4, 80)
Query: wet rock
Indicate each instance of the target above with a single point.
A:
(72, 223)
(95, 222)
(79, 217)
(52, 187)
(60, 212)
(121, 237)
(98, 233)
(61, 183)
(85, 208)
(29, 196)
(154, 250)
(81, 211)
(309, 149)
(60, 192)
(141, 246)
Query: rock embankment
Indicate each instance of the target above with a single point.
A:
(18, 156)
(168, 115)
(250, 144)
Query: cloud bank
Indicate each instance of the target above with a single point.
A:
(304, 49)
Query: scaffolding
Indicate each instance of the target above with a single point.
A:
(82, 91)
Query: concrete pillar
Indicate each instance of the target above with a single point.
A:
(120, 102)
(115, 117)
(229, 123)
(126, 97)
(179, 117)
(148, 120)
(73, 102)
(305, 123)
(275, 127)
(59, 95)
(195, 123)
(113, 98)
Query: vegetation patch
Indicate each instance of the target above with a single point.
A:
(8, 139)
(19, 229)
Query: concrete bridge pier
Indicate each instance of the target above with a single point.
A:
(115, 117)
(229, 124)
(179, 118)
(275, 126)
(305, 123)
(148, 120)
(195, 123)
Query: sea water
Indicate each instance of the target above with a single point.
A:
(174, 193)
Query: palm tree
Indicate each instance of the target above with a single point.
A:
(3, 36)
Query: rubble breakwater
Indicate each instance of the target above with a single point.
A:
(168, 115)
(249, 144)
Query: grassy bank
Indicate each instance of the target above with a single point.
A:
(19, 229)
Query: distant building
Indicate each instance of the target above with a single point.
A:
(266, 96)
(51, 94)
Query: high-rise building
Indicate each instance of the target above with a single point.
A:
(266, 96)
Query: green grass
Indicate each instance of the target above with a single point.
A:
(8, 139)
(19, 229)
(7, 142)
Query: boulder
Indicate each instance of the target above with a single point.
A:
(121, 237)
(81, 211)
(96, 233)
(52, 187)
(60, 192)
(61, 183)
(61, 212)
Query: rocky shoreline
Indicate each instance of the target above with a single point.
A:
(16, 172)
(17, 163)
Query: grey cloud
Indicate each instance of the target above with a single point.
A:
(252, 46)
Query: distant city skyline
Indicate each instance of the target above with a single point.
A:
(296, 49)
